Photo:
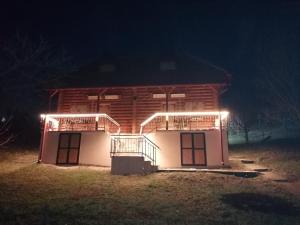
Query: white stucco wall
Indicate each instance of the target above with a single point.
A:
(169, 154)
(50, 146)
(94, 148)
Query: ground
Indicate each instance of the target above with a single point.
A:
(33, 193)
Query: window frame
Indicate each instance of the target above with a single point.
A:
(193, 148)
(68, 148)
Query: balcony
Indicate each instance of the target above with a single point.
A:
(80, 122)
(191, 121)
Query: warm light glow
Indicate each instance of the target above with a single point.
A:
(111, 97)
(54, 122)
(159, 95)
(78, 115)
(221, 114)
(93, 97)
(178, 95)
(127, 136)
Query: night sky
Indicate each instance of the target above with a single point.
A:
(239, 36)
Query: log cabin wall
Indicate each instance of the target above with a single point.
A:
(130, 106)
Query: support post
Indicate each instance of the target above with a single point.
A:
(43, 134)
(167, 109)
(221, 134)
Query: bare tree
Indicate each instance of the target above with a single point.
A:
(6, 136)
(283, 93)
(280, 81)
(26, 67)
(278, 64)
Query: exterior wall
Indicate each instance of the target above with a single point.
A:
(169, 154)
(50, 146)
(137, 103)
(94, 148)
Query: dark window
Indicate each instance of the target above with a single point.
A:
(68, 148)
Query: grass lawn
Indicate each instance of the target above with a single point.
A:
(281, 156)
(41, 194)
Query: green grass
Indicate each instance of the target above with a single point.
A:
(42, 194)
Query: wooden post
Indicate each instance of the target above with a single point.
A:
(43, 134)
(221, 135)
(134, 99)
(167, 109)
(97, 109)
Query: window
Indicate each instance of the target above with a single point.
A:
(193, 151)
(159, 95)
(68, 148)
(111, 97)
(92, 97)
(178, 95)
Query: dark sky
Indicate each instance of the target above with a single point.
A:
(236, 35)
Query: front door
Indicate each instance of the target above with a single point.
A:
(68, 148)
(193, 152)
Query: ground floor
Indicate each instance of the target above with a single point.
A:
(93, 139)
(172, 148)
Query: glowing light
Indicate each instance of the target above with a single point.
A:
(222, 114)
(54, 122)
(78, 115)
(127, 136)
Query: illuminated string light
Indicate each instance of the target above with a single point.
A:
(221, 114)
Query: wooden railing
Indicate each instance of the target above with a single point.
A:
(185, 121)
(80, 122)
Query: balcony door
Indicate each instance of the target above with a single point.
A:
(193, 151)
(68, 148)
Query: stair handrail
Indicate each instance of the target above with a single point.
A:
(147, 148)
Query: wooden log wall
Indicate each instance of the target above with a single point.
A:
(135, 104)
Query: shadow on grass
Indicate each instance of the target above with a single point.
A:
(246, 174)
(261, 203)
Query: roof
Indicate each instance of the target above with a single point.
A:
(111, 71)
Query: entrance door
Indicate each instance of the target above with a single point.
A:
(193, 152)
(68, 148)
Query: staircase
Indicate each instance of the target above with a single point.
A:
(132, 154)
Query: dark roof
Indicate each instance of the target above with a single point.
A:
(145, 71)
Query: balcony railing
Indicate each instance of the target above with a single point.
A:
(80, 122)
(132, 145)
(185, 121)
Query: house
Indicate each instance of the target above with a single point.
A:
(136, 128)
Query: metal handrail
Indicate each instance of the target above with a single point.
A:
(134, 144)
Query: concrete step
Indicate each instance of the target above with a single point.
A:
(128, 165)
(147, 167)
(154, 169)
